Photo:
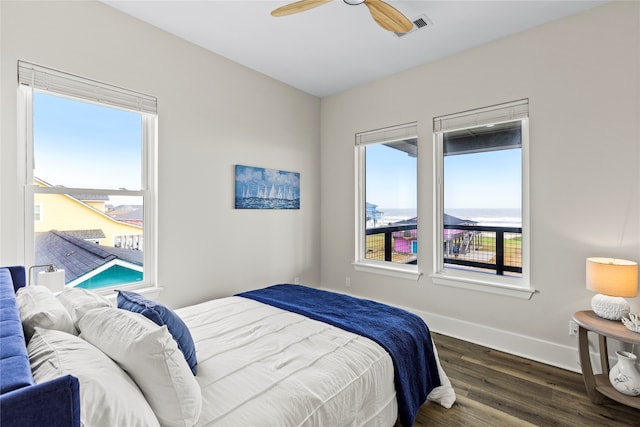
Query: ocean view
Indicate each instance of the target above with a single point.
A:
(489, 217)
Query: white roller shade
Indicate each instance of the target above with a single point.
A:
(395, 133)
(484, 116)
(43, 78)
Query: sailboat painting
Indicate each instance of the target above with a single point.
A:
(261, 188)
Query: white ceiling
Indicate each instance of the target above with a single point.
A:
(335, 46)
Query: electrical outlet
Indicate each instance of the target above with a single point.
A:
(347, 282)
(296, 280)
(573, 328)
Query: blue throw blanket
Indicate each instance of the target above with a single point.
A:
(404, 335)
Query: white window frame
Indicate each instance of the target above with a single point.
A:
(361, 263)
(32, 78)
(518, 287)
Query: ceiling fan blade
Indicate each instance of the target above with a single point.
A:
(388, 17)
(299, 6)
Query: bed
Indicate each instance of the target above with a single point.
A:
(277, 356)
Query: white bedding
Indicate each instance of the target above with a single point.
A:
(262, 366)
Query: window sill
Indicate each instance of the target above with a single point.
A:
(487, 286)
(400, 272)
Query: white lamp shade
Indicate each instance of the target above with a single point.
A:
(53, 280)
(613, 277)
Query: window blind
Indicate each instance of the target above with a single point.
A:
(43, 78)
(390, 134)
(490, 115)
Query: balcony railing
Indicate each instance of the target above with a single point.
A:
(489, 248)
(484, 247)
(380, 244)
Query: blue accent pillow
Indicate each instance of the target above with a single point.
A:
(162, 315)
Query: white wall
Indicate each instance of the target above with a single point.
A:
(581, 75)
(213, 114)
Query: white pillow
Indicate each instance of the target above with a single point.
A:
(151, 357)
(78, 301)
(108, 397)
(39, 308)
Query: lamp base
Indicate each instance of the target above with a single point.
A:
(612, 308)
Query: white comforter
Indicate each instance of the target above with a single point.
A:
(262, 366)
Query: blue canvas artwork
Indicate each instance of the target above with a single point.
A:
(260, 188)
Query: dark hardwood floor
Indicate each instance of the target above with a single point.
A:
(499, 389)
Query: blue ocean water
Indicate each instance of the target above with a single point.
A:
(262, 203)
(506, 217)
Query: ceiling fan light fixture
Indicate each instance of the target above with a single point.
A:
(385, 15)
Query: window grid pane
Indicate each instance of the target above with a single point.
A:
(83, 145)
(391, 179)
(88, 176)
(482, 198)
(484, 249)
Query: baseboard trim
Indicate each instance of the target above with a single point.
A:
(561, 356)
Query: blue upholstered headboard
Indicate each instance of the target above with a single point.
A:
(22, 402)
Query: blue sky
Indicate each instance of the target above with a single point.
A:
(483, 180)
(78, 144)
(391, 178)
(479, 180)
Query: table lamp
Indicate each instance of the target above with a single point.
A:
(52, 278)
(611, 279)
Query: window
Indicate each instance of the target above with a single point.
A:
(89, 152)
(481, 219)
(387, 220)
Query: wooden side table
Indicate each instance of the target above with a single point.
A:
(598, 386)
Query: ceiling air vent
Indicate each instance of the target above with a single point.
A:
(420, 22)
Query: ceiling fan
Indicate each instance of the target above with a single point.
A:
(384, 14)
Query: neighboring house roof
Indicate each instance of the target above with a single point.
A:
(409, 221)
(78, 257)
(451, 234)
(448, 220)
(86, 234)
(91, 197)
(127, 213)
(454, 220)
(406, 234)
